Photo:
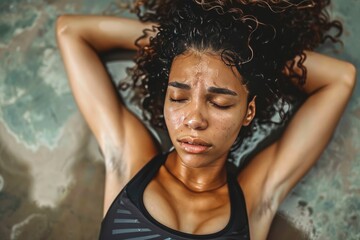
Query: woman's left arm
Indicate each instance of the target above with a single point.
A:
(329, 85)
(280, 166)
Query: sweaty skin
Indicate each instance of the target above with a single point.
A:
(200, 111)
(203, 116)
(205, 107)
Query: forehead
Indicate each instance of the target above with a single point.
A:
(194, 67)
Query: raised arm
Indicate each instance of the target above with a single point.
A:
(276, 170)
(329, 85)
(118, 132)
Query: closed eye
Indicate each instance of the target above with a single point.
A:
(177, 100)
(221, 106)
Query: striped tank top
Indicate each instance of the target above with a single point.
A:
(127, 217)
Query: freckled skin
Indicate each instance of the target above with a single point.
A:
(196, 115)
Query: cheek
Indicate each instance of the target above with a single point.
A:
(229, 126)
(173, 118)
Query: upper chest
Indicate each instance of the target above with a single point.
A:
(171, 204)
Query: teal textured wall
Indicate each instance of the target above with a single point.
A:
(51, 174)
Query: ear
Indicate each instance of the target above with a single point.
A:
(250, 112)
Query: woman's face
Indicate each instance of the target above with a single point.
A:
(205, 108)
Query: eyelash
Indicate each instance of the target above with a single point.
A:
(177, 100)
(220, 107)
(212, 103)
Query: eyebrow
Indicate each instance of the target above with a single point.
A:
(210, 89)
(222, 91)
(179, 85)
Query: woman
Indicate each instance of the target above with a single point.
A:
(208, 69)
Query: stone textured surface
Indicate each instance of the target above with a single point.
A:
(51, 174)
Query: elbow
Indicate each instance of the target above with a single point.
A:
(63, 26)
(348, 77)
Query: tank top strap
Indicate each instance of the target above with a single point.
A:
(238, 206)
(138, 183)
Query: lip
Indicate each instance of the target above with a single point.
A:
(194, 145)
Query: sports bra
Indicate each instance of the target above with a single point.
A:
(127, 217)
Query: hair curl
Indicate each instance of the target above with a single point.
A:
(261, 38)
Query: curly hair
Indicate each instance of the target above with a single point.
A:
(261, 38)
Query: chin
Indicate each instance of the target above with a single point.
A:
(199, 160)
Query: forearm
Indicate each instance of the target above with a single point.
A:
(324, 71)
(102, 32)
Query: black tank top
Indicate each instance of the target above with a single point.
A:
(127, 217)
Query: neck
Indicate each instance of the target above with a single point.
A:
(197, 179)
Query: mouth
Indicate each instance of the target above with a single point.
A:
(194, 145)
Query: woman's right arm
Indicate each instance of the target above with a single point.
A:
(125, 142)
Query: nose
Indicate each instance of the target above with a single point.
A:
(196, 120)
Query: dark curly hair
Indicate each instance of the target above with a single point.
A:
(261, 38)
